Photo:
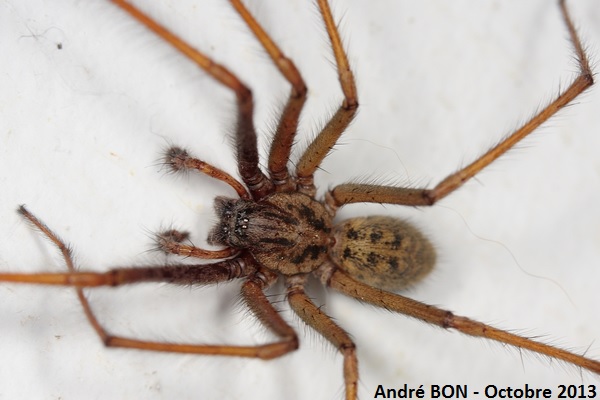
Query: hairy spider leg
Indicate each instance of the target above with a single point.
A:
(243, 266)
(340, 281)
(365, 193)
(324, 142)
(283, 140)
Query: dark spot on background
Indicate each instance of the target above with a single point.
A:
(397, 241)
(372, 258)
(352, 234)
(347, 253)
(376, 236)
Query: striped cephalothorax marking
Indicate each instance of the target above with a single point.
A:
(286, 232)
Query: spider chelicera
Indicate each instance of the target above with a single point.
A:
(307, 253)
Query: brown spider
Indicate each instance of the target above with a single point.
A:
(217, 238)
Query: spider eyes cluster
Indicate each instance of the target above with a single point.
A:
(233, 222)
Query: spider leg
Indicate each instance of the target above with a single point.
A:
(243, 266)
(445, 319)
(288, 122)
(322, 144)
(170, 242)
(246, 147)
(184, 274)
(355, 193)
(252, 293)
(179, 160)
(317, 319)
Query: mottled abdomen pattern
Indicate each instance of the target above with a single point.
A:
(383, 252)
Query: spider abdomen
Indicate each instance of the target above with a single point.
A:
(383, 252)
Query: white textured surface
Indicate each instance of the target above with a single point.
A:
(81, 129)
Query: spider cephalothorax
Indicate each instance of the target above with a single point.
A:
(286, 232)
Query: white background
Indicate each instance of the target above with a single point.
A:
(82, 128)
